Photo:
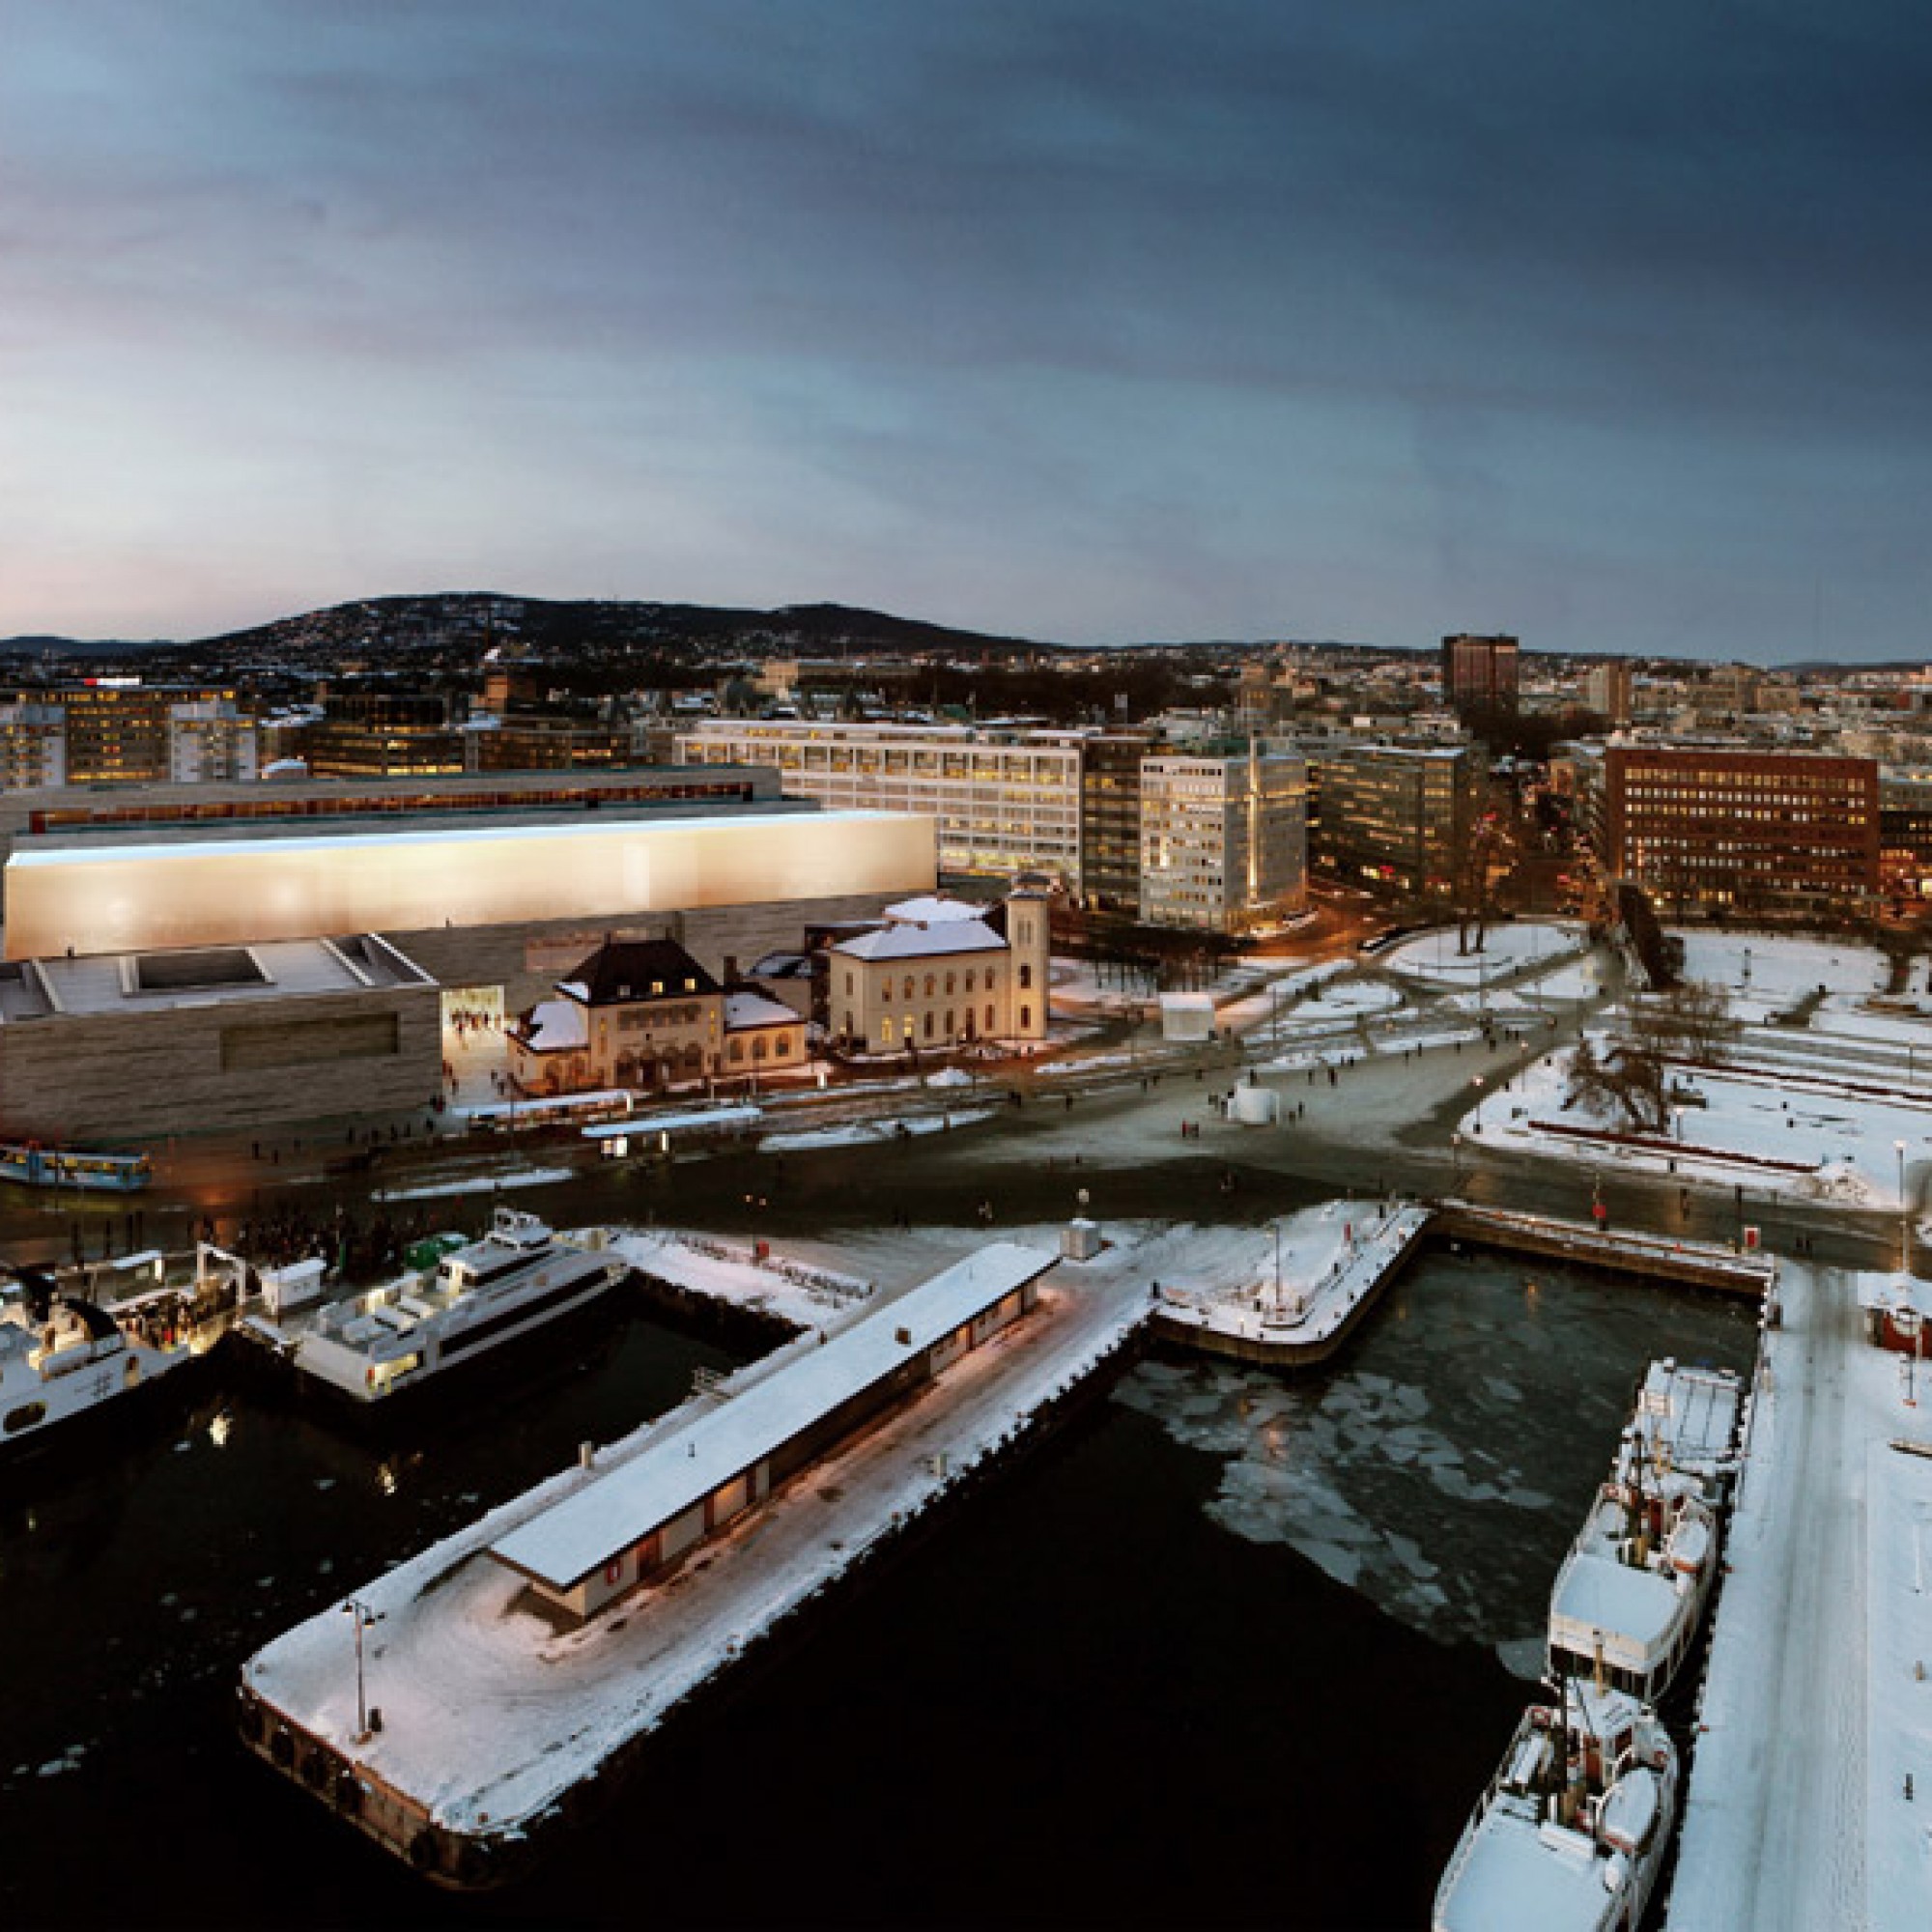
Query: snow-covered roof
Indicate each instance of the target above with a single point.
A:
(581, 1534)
(924, 942)
(557, 1026)
(1517, 1874)
(933, 909)
(1599, 1594)
(754, 1010)
(1896, 1294)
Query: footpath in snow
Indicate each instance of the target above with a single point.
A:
(1809, 1804)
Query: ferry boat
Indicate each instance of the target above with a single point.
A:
(516, 1279)
(63, 1358)
(1630, 1594)
(1573, 1829)
(36, 1166)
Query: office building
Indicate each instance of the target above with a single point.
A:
(1005, 803)
(1731, 830)
(1396, 818)
(1224, 839)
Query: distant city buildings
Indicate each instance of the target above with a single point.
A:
(1608, 690)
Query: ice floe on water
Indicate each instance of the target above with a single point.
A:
(1441, 1467)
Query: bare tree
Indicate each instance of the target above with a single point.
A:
(1631, 1079)
(1692, 1021)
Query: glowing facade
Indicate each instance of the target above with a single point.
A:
(87, 898)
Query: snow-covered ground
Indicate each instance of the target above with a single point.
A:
(1776, 969)
(1506, 949)
(797, 1291)
(1809, 1137)
(490, 1713)
(479, 1183)
(1816, 1706)
(867, 1133)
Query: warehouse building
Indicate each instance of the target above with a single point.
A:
(636, 1523)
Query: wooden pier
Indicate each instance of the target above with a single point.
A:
(1655, 1256)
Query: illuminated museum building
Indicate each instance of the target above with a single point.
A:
(298, 965)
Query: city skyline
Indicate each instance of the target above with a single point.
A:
(1080, 324)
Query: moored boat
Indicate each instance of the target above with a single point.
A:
(1572, 1830)
(518, 1278)
(1631, 1592)
(64, 1357)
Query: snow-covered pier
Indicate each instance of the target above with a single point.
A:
(1809, 1802)
(1624, 1251)
(1316, 1275)
(453, 1712)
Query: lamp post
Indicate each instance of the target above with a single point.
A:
(1904, 1212)
(361, 1617)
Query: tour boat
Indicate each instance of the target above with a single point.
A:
(517, 1278)
(63, 1358)
(1571, 1833)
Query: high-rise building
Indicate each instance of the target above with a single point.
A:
(1479, 673)
(1224, 839)
(210, 741)
(1110, 819)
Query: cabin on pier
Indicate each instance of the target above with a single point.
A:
(646, 1515)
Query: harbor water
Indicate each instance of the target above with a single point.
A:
(1227, 1649)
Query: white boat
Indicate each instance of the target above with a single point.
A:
(1571, 1833)
(1686, 1421)
(64, 1358)
(1630, 1595)
(519, 1277)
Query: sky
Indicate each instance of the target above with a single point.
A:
(1366, 318)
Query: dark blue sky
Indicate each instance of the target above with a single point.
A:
(1608, 326)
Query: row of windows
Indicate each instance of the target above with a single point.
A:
(932, 980)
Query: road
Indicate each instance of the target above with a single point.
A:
(1383, 1125)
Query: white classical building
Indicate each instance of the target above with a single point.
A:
(941, 974)
(1224, 839)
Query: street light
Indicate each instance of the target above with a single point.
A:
(362, 1617)
(1904, 1216)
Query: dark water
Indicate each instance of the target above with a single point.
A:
(1110, 1690)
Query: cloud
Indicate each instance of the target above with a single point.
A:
(1106, 319)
